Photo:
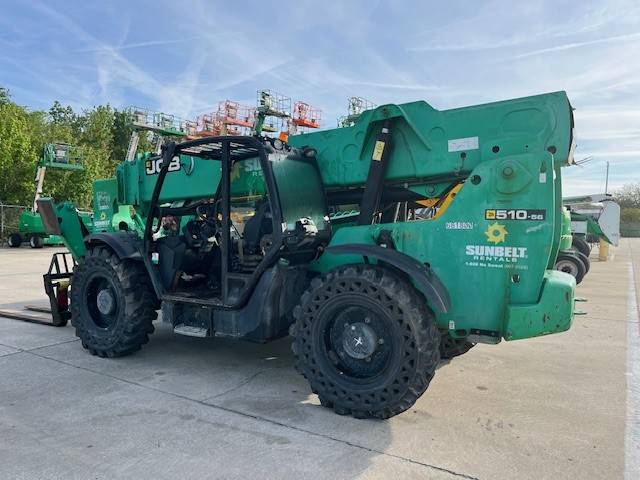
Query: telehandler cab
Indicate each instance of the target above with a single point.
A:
(453, 240)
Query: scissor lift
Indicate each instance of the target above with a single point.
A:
(235, 118)
(304, 115)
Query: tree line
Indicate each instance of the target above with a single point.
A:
(101, 134)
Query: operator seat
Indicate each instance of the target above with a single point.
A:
(256, 227)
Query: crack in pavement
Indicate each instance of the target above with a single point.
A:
(241, 384)
(26, 350)
(256, 417)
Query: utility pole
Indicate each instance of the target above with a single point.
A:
(606, 180)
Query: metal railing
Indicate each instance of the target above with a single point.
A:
(9, 219)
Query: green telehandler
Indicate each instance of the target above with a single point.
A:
(371, 244)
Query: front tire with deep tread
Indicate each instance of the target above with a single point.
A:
(396, 375)
(130, 323)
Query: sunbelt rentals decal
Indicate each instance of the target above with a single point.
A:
(495, 255)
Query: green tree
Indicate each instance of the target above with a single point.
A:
(18, 153)
(4, 96)
(628, 196)
(92, 133)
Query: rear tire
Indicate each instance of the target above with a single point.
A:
(112, 304)
(585, 261)
(36, 241)
(570, 263)
(366, 341)
(581, 245)
(14, 240)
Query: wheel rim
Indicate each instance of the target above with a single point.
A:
(356, 343)
(102, 302)
(567, 266)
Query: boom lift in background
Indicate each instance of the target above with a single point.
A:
(273, 112)
(59, 156)
(356, 105)
(158, 124)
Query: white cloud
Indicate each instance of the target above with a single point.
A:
(587, 43)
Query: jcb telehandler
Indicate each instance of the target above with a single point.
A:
(454, 239)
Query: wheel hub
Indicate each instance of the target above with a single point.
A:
(105, 301)
(359, 340)
(567, 267)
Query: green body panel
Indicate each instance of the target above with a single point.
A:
(421, 138)
(108, 214)
(489, 287)
(546, 316)
(482, 288)
(566, 239)
(293, 178)
(593, 228)
(71, 225)
(31, 224)
(53, 240)
(192, 178)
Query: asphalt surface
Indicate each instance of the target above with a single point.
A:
(553, 407)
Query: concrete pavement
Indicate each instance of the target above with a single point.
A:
(552, 407)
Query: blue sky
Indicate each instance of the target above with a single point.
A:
(184, 56)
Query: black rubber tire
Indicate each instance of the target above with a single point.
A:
(585, 261)
(135, 308)
(581, 245)
(413, 352)
(570, 263)
(453, 347)
(14, 240)
(36, 241)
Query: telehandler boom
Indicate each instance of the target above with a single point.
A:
(372, 244)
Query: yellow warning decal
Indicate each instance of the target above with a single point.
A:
(377, 150)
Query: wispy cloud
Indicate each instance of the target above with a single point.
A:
(587, 43)
(150, 43)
